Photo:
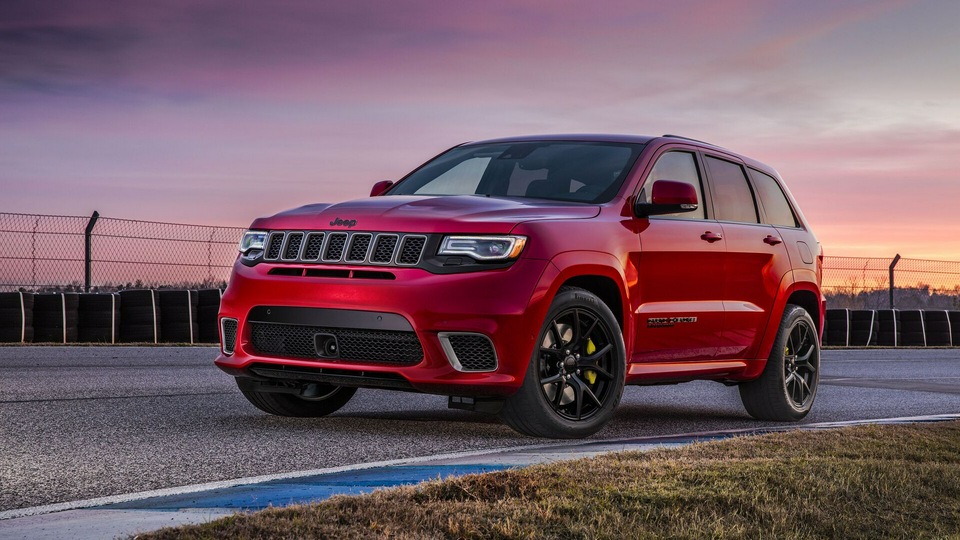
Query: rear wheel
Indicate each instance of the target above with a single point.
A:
(786, 389)
(576, 375)
(328, 399)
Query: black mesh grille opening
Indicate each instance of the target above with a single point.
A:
(383, 250)
(358, 247)
(374, 346)
(229, 328)
(475, 353)
(276, 243)
(335, 247)
(314, 243)
(411, 249)
(294, 241)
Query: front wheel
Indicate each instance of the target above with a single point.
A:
(786, 389)
(576, 374)
(328, 400)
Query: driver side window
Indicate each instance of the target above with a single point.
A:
(679, 167)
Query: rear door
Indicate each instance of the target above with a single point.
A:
(756, 259)
(680, 281)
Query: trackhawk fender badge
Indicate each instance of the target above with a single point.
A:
(349, 223)
(664, 322)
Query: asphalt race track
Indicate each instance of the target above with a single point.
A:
(84, 422)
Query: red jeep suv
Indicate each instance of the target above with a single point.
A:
(534, 277)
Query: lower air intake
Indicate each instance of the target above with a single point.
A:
(469, 352)
(228, 329)
(373, 346)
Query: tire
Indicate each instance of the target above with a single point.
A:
(334, 397)
(775, 395)
(548, 404)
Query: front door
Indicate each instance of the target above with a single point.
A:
(680, 312)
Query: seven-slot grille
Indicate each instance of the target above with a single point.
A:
(345, 247)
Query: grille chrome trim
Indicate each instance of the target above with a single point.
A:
(352, 244)
(275, 240)
(307, 246)
(454, 360)
(330, 246)
(344, 247)
(293, 239)
(376, 244)
(402, 245)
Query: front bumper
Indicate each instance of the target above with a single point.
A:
(505, 305)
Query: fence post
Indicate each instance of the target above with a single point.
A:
(87, 256)
(892, 265)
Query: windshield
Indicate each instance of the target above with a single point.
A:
(558, 170)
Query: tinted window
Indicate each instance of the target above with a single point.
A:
(775, 206)
(680, 167)
(462, 179)
(732, 198)
(558, 170)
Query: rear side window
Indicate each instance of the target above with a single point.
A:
(732, 198)
(776, 209)
(679, 167)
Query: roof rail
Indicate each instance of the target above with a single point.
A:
(686, 138)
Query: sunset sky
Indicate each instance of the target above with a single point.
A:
(217, 112)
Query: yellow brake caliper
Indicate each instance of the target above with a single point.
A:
(590, 375)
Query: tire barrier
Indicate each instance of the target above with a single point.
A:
(863, 328)
(178, 311)
(836, 329)
(911, 329)
(936, 328)
(208, 307)
(888, 328)
(55, 317)
(99, 318)
(149, 316)
(140, 316)
(16, 317)
(954, 317)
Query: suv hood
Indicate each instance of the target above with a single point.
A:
(434, 214)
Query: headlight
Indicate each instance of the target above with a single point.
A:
(484, 248)
(253, 240)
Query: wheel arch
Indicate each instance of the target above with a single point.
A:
(795, 289)
(600, 274)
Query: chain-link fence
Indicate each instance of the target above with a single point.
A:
(74, 253)
(874, 283)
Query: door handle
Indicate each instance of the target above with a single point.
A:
(710, 237)
(772, 240)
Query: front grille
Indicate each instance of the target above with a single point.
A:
(374, 346)
(335, 245)
(383, 251)
(274, 245)
(473, 351)
(342, 247)
(228, 327)
(359, 244)
(314, 243)
(411, 249)
(292, 249)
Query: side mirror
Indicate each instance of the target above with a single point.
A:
(668, 197)
(380, 187)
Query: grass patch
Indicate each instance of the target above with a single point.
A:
(900, 481)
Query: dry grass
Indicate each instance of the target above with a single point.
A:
(864, 482)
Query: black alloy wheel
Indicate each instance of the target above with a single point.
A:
(787, 388)
(799, 370)
(576, 359)
(575, 377)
